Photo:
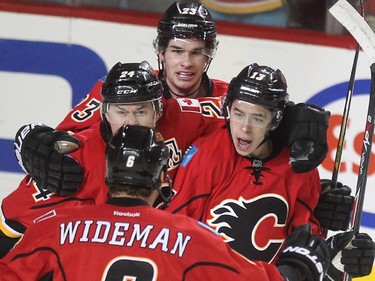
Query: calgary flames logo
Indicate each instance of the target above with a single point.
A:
(255, 228)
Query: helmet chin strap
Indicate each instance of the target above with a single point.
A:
(207, 65)
(266, 137)
(157, 116)
(160, 64)
(274, 124)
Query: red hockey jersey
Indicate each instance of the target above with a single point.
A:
(183, 121)
(254, 205)
(87, 112)
(126, 240)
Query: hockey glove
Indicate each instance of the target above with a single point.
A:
(36, 147)
(307, 136)
(335, 206)
(305, 253)
(353, 254)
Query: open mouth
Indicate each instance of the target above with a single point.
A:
(243, 144)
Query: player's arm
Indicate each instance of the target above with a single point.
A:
(304, 256)
(6, 244)
(86, 113)
(304, 128)
(307, 186)
(31, 258)
(36, 148)
(10, 231)
(191, 185)
(227, 264)
(40, 152)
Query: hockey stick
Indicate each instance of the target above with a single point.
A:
(344, 122)
(345, 114)
(365, 37)
(362, 32)
(345, 117)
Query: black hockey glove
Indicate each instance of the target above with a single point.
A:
(36, 148)
(307, 135)
(335, 206)
(305, 253)
(353, 254)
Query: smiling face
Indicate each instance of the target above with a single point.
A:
(249, 124)
(184, 62)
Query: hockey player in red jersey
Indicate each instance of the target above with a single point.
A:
(61, 174)
(127, 239)
(132, 94)
(185, 45)
(239, 181)
(240, 177)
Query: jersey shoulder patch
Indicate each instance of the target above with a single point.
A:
(189, 155)
(210, 229)
(189, 105)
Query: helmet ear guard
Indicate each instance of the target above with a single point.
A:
(276, 120)
(225, 106)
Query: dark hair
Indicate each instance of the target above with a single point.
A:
(132, 190)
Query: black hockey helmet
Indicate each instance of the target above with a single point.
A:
(186, 20)
(260, 85)
(136, 155)
(132, 83)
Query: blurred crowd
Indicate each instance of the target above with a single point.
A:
(303, 14)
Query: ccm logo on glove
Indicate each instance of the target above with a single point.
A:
(20, 136)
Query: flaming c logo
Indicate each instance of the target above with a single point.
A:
(255, 228)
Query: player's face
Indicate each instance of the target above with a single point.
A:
(249, 123)
(142, 114)
(184, 61)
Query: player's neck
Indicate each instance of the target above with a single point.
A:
(263, 151)
(192, 94)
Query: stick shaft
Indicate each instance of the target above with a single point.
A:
(365, 156)
(344, 122)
